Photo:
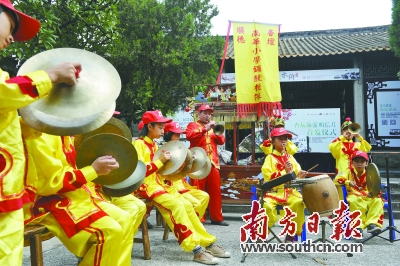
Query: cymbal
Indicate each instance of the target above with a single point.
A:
(373, 179)
(113, 125)
(203, 172)
(108, 144)
(63, 126)
(200, 157)
(97, 87)
(181, 173)
(178, 152)
(129, 185)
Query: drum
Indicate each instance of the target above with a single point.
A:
(319, 194)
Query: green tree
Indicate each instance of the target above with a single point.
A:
(85, 24)
(394, 30)
(164, 48)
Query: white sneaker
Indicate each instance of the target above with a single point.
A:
(205, 257)
(218, 251)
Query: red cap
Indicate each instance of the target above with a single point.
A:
(205, 107)
(173, 127)
(28, 27)
(280, 131)
(154, 117)
(360, 154)
(140, 125)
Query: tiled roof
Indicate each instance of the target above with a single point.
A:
(328, 42)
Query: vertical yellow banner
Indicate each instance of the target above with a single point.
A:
(256, 67)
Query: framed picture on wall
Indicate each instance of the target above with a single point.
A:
(383, 113)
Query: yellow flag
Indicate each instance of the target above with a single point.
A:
(256, 68)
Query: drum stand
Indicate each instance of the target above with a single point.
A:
(392, 228)
(269, 229)
(323, 239)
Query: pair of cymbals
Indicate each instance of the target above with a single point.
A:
(201, 164)
(178, 152)
(129, 185)
(183, 170)
(77, 109)
(114, 145)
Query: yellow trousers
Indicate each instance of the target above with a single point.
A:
(11, 237)
(183, 221)
(199, 200)
(371, 209)
(107, 241)
(132, 205)
(294, 203)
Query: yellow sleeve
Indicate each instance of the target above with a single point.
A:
(336, 147)
(291, 148)
(364, 146)
(54, 173)
(343, 179)
(269, 170)
(12, 98)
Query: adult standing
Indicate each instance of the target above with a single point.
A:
(201, 134)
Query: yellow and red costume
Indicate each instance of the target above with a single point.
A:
(176, 211)
(267, 147)
(15, 93)
(371, 208)
(91, 228)
(129, 203)
(342, 150)
(274, 167)
(198, 136)
(198, 198)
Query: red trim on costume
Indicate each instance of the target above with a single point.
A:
(181, 231)
(57, 205)
(100, 244)
(25, 85)
(69, 151)
(68, 177)
(151, 168)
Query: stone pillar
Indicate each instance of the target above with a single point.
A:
(358, 93)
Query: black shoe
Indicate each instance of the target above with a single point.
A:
(223, 223)
(373, 229)
(149, 225)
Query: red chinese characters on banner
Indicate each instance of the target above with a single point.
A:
(290, 226)
(313, 223)
(256, 226)
(257, 66)
(345, 222)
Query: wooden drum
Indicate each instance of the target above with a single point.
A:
(320, 194)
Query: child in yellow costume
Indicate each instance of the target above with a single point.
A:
(279, 163)
(266, 146)
(98, 232)
(358, 197)
(343, 147)
(198, 198)
(16, 93)
(176, 211)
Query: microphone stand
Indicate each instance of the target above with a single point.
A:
(392, 228)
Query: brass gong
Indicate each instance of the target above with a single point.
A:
(108, 144)
(178, 152)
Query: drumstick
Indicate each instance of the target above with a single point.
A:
(312, 167)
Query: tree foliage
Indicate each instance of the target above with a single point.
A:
(164, 48)
(394, 30)
(85, 24)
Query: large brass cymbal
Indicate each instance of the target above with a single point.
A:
(373, 179)
(62, 126)
(97, 87)
(129, 185)
(114, 126)
(203, 172)
(181, 173)
(108, 144)
(178, 152)
(200, 157)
